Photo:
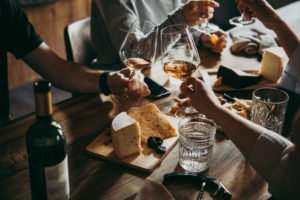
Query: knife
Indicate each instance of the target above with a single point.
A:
(212, 184)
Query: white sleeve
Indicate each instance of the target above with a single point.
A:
(290, 78)
(269, 158)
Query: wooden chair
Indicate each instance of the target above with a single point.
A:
(78, 42)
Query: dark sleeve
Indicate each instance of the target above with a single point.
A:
(22, 38)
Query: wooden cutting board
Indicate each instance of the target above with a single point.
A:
(147, 160)
(210, 77)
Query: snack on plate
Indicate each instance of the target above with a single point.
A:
(126, 136)
(272, 63)
(241, 107)
(152, 122)
(214, 39)
(178, 104)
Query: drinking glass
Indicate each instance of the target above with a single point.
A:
(137, 52)
(179, 57)
(269, 107)
(196, 140)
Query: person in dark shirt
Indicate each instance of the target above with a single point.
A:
(17, 36)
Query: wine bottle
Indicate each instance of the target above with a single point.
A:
(46, 148)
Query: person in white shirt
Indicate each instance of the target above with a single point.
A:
(111, 19)
(274, 157)
(289, 40)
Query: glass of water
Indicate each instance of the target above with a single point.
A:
(196, 140)
(269, 107)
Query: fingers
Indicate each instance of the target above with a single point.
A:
(216, 46)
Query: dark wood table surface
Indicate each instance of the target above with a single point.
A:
(84, 118)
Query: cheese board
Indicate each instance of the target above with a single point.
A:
(210, 77)
(146, 161)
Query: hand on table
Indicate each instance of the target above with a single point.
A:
(196, 12)
(215, 44)
(123, 81)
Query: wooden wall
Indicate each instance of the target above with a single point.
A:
(49, 21)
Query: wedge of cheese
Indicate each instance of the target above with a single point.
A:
(126, 136)
(152, 122)
(272, 63)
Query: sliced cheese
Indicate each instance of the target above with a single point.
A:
(126, 136)
(272, 63)
(152, 122)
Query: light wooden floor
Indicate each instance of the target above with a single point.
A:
(22, 99)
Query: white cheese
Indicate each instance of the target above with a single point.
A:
(126, 136)
(272, 63)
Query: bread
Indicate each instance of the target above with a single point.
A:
(152, 122)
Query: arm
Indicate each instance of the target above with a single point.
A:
(117, 26)
(268, 16)
(77, 78)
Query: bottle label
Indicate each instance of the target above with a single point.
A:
(57, 181)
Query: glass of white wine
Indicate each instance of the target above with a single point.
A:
(179, 57)
(137, 52)
(241, 20)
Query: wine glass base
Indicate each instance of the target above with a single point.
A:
(241, 21)
(127, 101)
(210, 28)
(186, 112)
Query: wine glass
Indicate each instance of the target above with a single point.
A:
(179, 57)
(241, 20)
(137, 52)
(207, 27)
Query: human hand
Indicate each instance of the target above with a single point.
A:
(198, 11)
(201, 96)
(215, 46)
(260, 9)
(124, 81)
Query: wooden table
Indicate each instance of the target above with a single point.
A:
(83, 118)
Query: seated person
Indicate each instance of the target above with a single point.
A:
(275, 158)
(18, 37)
(289, 40)
(111, 19)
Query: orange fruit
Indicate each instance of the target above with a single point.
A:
(214, 39)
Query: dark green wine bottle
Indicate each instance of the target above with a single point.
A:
(46, 148)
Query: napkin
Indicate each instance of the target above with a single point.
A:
(250, 40)
(153, 190)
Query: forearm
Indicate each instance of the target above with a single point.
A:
(66, 75)
(241, 131)
(286, 36)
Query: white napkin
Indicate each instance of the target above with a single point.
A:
(250, 40)
(153, 190)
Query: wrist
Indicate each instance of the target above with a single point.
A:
(103, 83)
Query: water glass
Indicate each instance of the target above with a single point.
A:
(196, 140)
(269, 107)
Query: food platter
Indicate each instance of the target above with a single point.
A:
(146, 161)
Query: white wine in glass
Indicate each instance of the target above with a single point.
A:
(179, 56)
(137, 52)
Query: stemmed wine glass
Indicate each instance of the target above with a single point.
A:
(207, 27)
(137, 52)
(241, 20)
(179, 57)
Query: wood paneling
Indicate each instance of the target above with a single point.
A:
(49, 21)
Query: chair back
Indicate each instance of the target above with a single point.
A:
(78, 42)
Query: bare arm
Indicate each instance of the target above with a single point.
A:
(268, 16)
(78, 78)
(66, 75)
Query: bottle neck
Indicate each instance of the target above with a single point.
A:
(43, 104)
